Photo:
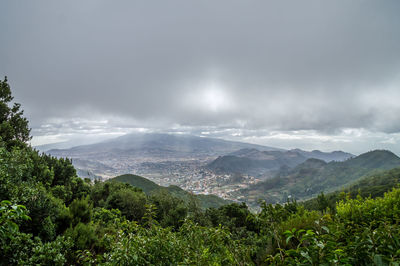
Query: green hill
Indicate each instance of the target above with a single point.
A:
(369, 186)
(149, 187)
(137, 181)
(255, 163)
(315, 176)
(379, 159)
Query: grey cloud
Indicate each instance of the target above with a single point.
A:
(284, 65)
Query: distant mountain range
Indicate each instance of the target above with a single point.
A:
(172, 159)
(155, 154)
(314, 176)
(148, 187)
(325, 156)
(128, 153)
(259, 163)
(82, 140)
(158, 146)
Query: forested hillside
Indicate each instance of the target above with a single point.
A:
(315, 176)
(255, 163)
(49, 216)
(370, 186)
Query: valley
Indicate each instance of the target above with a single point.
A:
(230, 170)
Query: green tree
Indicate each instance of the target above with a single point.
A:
(81, 211)
(14, 128)
(322, 201)
(14, 245)
(131, 203)
(170, 210)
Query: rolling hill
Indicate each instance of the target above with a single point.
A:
(373, 186)
(205, 201)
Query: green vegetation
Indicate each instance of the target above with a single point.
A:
(14, 129)
(314, 176)
(49, 216)
(372, 186)
(149, 187)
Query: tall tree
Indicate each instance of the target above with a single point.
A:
(14, 130)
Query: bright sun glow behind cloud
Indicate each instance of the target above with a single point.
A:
(212, 97)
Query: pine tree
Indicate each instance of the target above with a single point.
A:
(14, 130)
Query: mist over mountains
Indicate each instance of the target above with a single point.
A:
(130, 152)
(159, 146)
(136, 153)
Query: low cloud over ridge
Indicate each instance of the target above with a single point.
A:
(255, 71)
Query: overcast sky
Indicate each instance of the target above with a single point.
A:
(309, 74)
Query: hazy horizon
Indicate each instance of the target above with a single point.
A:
(285, 74)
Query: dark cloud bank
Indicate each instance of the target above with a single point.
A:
(288, 73)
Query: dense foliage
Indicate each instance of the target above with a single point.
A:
(373, 186)
(50, 216)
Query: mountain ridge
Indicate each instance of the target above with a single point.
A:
(314, 176)
(130, 153)
(255, 162)
(169, 142)
(375, 185)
